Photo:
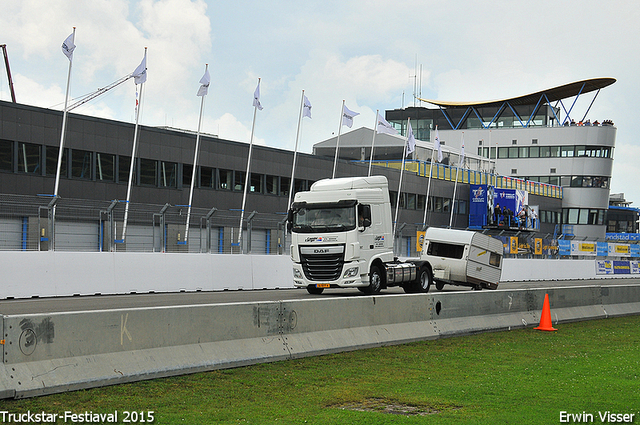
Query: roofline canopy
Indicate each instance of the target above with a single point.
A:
(553, 94)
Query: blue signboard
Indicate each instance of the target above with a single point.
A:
(479, 207)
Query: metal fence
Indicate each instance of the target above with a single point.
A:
(42, 223)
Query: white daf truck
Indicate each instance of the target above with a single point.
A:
(341, 232)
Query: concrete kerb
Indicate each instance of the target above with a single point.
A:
(48, 353)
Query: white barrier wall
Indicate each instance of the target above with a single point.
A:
(518, 270)
(48, 274)
(54, 273)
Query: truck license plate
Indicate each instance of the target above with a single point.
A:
(323, 285)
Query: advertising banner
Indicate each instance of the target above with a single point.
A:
(420, 240)
(609, 267)
(480, 205)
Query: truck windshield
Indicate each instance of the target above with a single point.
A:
(308, 219)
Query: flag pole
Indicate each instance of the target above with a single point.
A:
(335, 159)
(195, 162)
(404, 153)
(373, 141)
(246, 177)
(455, 185)
(64, 125)
(426, 202)
(295, 151)
(133, 157)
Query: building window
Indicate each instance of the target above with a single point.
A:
(187, 170)
(256, 183)
(28, 158)
(514, 171)
(411, 201)
(534, 141)
(105, 167)
(238, 182)
(6, 155)
(124, 165)
(272, 185)
(168, 174)
(81, 164)
(514, 142)
(148, 172)
(225, 179)
(51, 161)
(207, 177)
(285, 182)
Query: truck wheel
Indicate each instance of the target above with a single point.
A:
(439, 286)
(424, 280)
(375, 281)
(314, 290)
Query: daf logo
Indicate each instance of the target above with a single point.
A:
(320, 251)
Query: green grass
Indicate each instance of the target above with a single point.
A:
(515, 377)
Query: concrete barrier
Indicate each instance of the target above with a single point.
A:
(49, 353)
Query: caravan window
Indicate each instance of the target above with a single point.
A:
(494, 259)
(448, 250)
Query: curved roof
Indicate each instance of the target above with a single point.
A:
(553, 94)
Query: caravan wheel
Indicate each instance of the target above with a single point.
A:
(439, 286)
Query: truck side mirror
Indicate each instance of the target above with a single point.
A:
(289, 220)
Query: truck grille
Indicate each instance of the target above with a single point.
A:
(323, 263)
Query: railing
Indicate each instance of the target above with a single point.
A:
(447, 172)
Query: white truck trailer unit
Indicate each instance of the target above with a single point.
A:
(341, 231)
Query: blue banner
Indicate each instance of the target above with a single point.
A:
(479, 207)
(564, 247)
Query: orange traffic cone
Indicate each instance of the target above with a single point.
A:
(545, 320)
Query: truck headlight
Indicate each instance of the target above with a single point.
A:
(297, 274)
(353, 271)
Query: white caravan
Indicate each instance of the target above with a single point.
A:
(341, 231)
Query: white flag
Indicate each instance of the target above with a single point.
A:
(347, 116)
(437, 145)
(306, 107)
(140, 73)
(411, 141)
(384, 127)
(256, 97)
(462, 152)
(204, 81)
(68, 47)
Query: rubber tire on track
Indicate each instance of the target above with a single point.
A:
(422, 274)
(314, 290)
(439, 286)
(375, 281)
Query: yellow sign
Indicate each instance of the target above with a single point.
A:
(622, 249)
(420, 240)
(538, 247)
(587, 247)
(513, 249)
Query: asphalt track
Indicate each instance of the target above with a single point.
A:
(111, 302)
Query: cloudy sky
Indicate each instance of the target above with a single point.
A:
(362, 52)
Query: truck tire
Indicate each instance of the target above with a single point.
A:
(421, 284)
(314, 290)
(425, 279)
(375, 281)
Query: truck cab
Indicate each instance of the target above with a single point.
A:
(341, 233)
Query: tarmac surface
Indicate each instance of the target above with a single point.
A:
(126, 301)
